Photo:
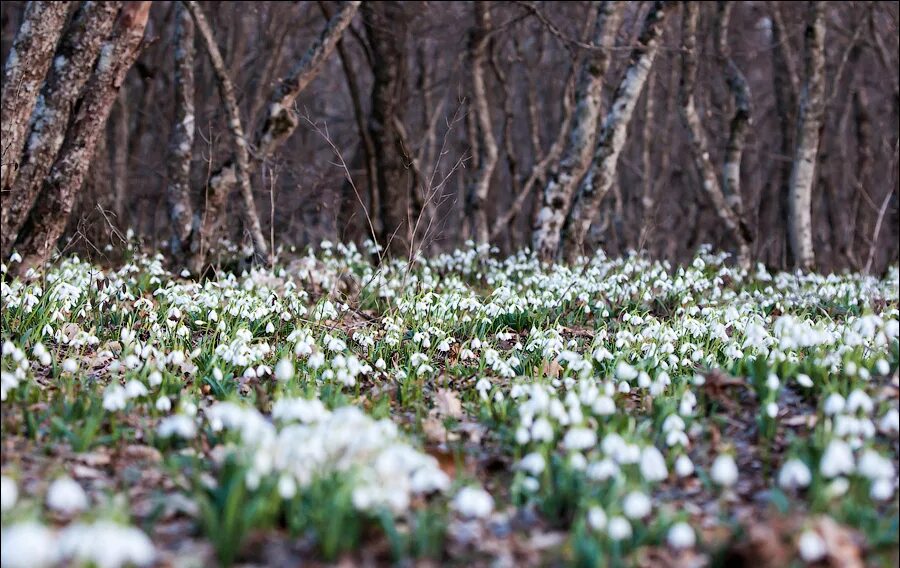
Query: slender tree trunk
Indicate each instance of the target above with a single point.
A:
(119, 160)
(740, 119)
(51, 212)
(280, 122)
(774, 210)
(478, 192)
(647, 193)
(181, 142)
(77, 53)
(563, 180)
(26, 65)
(809, 122)
(241, 152)
(602, 172)
(386, 28)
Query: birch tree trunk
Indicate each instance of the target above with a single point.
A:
(279, 124)
(51, 212)
(809, 121)
(563, 180)
(26, 65)
(697, 137)
(602, 171)
(181, 143)
(74, 59)
(241, 153)
(489, 154)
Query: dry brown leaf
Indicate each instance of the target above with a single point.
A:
(434, 430)
(447, 403)
(843, 551)
(551, 369)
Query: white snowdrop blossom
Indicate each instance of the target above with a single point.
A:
(473, 502)
(66, 496)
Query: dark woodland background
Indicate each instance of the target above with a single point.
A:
(533, 53)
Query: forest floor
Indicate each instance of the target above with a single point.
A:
(463, 410)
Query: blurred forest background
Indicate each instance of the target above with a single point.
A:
(769, 129)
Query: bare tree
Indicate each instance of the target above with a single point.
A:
(51, 212)
(563, 180)
(386, 29)
(77, 53)
(181, 143)
(241, 152)
(23, 75)
(809, 121)
(727, 212)
(487, 148)
(602, 172)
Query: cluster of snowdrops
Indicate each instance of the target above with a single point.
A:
(625, 404)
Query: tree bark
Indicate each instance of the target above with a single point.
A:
(563, 180)
(602, 171)
(241, 153)
(386, 28)
(73, 62)
(26, 65)
(51, 212)
(178, 191)
(809, 122)
(740, 119)
(279, 124)
(489, 153)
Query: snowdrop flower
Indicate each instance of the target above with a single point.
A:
(653, 465)
(163, 404)
(883, 367)
(66, 496)
(837, 488)
(724, 471)
(533, 463)
(811, 546)
(834, 404)
(619, 528)
(873, 466)
(135, 389)
(9, 493)
(542, 430)
(772, 410)
(70, 365)
(473, 502)
(580, 439)
(596, 518)
(604, 406)
(859, 400)
(636, 505)
(882, 489)
(284, 370)
(114, 398)
(804, 381)
(681, 535)
(35, 546)
(287, 487)
(106, 545)
(177, 425)
(837, 459)
(625, 372)
(890, 422)
(683, 466)
(794, 475)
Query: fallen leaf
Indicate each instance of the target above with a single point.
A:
(434, 430)
(448, 404)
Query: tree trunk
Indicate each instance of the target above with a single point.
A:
(51, 212)
(478, 192)
(279, 124)
(241, 153)
(76, 56)
(181, 143)
(740, 120)
(386, 28)
(563, 180)
(119, 164)
(26, 65)
(809, 122)
(602, 171)
(698, 142)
